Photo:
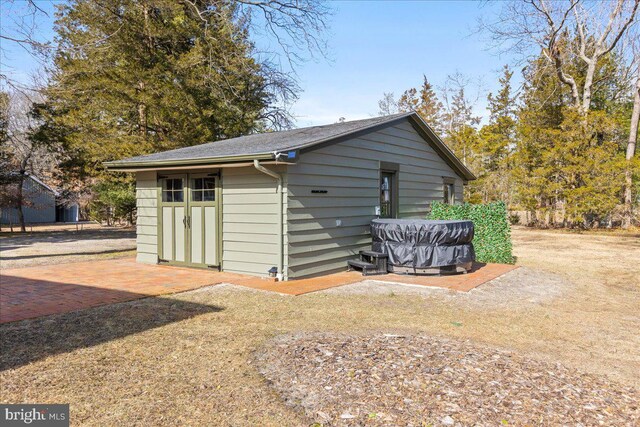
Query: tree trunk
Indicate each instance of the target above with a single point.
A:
(142, 111)
(142, 120)
(142, 107)
(23, 226)
(588, 82)
(631, 150)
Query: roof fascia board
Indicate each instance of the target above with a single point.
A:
(199, 167)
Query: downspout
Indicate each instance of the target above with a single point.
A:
(278, 177)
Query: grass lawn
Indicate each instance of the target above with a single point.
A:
(189, 359)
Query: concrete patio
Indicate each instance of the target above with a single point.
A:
(53, 289)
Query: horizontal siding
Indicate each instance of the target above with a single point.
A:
(322, 267)
(147, 221)
(146, 258)
(349, 172)
(147, 203)
(147, 239)
(325, 223)
(331, 232)
(41, 209)
(250, 220)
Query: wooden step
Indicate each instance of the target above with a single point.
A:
(361, 264)
(374, 254)
(367, 268)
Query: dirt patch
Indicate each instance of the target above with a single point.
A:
(523, 287)
(421, 380)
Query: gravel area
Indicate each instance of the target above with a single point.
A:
(418, 380)
(522, 287)
(43, 248)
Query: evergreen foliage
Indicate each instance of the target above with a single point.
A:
(492, 231)
(424, 102)
(495, 147)
(113, 202)
(568, 165)
(539, 152)
(134, 77)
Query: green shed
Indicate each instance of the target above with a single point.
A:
(299, 200)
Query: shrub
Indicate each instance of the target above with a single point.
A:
(113, 202)
(492, 232)
(514, 219)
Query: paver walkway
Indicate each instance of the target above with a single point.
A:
(479, 274)
(51, 289)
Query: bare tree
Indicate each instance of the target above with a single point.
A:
(569, 29)
(460, 94)
(19, 30)
(21, 155)
(387, 105)
(551, 26)
(630, 153)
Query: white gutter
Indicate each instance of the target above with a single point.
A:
(206, 166)
(278, 177)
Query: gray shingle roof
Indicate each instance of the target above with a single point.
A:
(262, 143)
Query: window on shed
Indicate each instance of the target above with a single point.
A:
(449, 193)
(172, 190)
(204, 189)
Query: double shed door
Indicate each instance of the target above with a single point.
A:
(188, 226)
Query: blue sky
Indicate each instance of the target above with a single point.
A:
(379, 47)
(374, 47)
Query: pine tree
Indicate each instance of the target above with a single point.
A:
(496, 144)
(461, 133)
(133, 77)
(425, 102)
(568, 165)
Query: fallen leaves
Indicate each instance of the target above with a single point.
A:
(387, 379)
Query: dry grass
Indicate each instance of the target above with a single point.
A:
(56, 247)
(187, 359)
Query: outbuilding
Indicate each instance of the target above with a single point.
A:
(299, 200)
(40, 205)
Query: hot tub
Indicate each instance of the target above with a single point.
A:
(424, 247)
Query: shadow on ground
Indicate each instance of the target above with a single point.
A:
(62, 254)
(15, 241)
(28, 341)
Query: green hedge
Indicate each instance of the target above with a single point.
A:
(492, 232)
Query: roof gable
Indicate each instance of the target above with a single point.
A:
(422, 129)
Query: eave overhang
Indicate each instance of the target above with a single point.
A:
(199, 163)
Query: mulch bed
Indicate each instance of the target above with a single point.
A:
(421, 380)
